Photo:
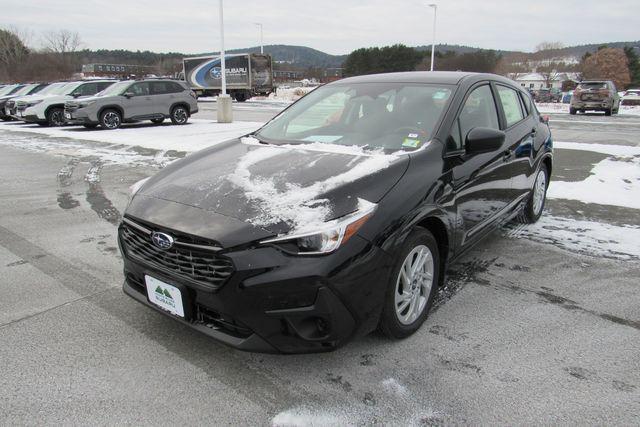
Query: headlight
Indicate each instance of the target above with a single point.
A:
(85, 104)
(32, 103)
(330, 237)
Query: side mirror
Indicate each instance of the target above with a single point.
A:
(76, 94)
(484, 140)
(544, 119)
(128, 94)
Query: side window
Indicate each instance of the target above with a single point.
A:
(511, 105)
(159, 88)
(103, 85)
(526, 104)
(87, 89)
(139, 89)
(479, 110)
(174, 87)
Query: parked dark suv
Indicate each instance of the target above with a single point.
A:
(595, 95)
(341, 214)
(131, 101)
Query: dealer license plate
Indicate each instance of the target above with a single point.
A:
(164, 295)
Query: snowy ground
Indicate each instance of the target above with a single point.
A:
(194, 136)
(554, 107)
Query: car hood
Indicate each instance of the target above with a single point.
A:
(276, 189)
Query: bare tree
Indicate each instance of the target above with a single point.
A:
(13, 53)
(549, 61)
(61, 41)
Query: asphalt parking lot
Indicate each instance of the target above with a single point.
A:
(537, 325)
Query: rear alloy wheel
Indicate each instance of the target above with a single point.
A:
(110, 119)
(158, 121)
(179, 115)
(532, 210)
(55, 117)
(413, 285)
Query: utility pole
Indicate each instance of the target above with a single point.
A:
(223, 105)
(433, 40)
(261, 40)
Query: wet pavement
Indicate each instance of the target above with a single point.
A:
(530, 328)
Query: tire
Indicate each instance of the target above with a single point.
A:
(240, 96)
(7, 119)
(110, 119)
(158, 121)
(608, 112)
(179, 115)
(43, 124)
(532, 210)
(572, 111)
(55, 117)
(397, 321)
(91, 125)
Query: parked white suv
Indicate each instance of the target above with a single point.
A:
(48, 110)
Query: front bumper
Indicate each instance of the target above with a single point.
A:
(279, 303)
(78, 117)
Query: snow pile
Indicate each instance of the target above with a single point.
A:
(583, 237)
(392, 386)
(299, 207)
(304, 417)
(195, 135)
(613, 181)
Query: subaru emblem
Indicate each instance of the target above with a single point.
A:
(162, 240)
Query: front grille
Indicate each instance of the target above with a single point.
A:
(71, 107)
(195, 262)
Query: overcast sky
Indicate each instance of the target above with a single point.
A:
(333, 26)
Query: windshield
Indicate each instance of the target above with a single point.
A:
(26, 89)
(115, 89)
(8, 90)
(391, 116)
(53, 89)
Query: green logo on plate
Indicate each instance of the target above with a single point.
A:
(163, 292)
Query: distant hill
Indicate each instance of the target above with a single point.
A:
(305, 57)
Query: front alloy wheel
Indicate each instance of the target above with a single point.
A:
(412, 285)
(55, 117)
(110, 119)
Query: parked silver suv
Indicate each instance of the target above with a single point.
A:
(132, 101)
(595, 95)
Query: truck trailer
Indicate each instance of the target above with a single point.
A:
(248, 74)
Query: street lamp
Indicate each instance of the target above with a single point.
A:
(223, 104)
(433, 42)
(261, 44)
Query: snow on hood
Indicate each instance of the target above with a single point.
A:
(301, 208)
(278, 188)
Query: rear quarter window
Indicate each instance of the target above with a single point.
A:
(510, 105)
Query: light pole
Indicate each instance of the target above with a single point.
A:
(261, 43)
(433, 42)
(223, 105)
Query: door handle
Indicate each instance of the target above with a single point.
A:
(534, 132)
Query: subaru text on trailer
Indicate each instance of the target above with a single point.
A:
(132, 101)
(48, 109)
(247, 74)
(341, 214)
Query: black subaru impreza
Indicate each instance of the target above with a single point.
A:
(341, 214)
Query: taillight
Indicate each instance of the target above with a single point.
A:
(193, 94)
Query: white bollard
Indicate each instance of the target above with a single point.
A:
(225, 112)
